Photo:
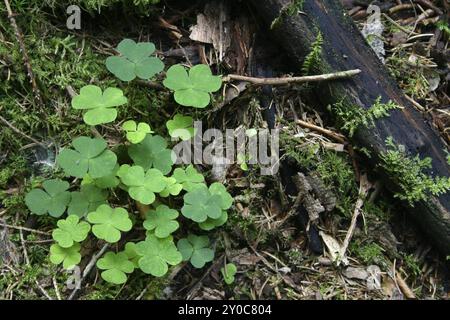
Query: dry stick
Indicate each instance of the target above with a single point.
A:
(24, 229)
(55, 285)
(331, 134)
(288, 80)
(20, 132)
(430, 5)
(404, 287)
(26, 58)
(364, 186)
(88, 269)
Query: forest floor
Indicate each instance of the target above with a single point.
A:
(387, 256)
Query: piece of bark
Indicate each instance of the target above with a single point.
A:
(344, 48)
(213, 27)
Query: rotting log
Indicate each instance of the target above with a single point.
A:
(344, 48)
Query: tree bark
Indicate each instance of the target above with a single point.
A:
(344, 48)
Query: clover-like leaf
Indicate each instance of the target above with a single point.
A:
(86, 200)
(162, 221)
(100, 105)
(181, 127)
(116, 266)
(90, 156)
(157, 254)
(192, 89)
(106, 182)
(68, 256)
(52, 200)
(108, 222)
(136, 132)
(152, 152)
(142, 185)
(228, 273)
(132, 254)
(219, 189)
(189, 177)
(210, 224)
(196, 249)
(200, 204)
(134, 61)
(70, 231)
(172, 188)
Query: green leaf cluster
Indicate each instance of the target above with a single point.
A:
(100, 105)
(143, 173)
(89, 156)
(192, 88)
(134, 61)
(196, 250)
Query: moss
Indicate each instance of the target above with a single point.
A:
(335, 169)
(408, 174)
(351, 117)
(411, 264)
(369, 253)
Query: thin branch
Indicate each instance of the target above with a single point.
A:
(364, 187)
(24, 229)
(288, 80)
(404, 286)
(88, 269)
(20, 132)
(26, 58)
(331, 134)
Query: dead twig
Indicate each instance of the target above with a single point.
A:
(364, 187)
(26, 58)
(88, 269)
(13, 128)
(288, 80)
(24, 229)
(330, 134)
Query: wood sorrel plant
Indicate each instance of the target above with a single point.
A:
(149, 179)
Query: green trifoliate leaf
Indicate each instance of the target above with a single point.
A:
(52, 200)
(196, 249)
(157, 254)
(108, 222)
(131, 252)
(210, 224)
(142, 185)
(181, 127)
(134, 61)
(172, 188)
(162, 221)
(152, 152)
(219, 189)
(70, 231)
(89, 157)
(86, 200)
(228, 273)
(68, 256)
(116, 266)
(200, 204)
(189, 178)
(136, 132)
(100, 106)
(192, 89)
